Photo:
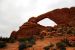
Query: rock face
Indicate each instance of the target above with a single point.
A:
(59, 16)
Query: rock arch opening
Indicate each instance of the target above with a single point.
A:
(47, 22)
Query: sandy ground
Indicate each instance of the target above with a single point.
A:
(40, 44)
(11, 46)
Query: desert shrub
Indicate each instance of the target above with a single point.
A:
(11, 40)
(28, 41)
(7, 40)
(2, 44)
(42, 37)
(48, 47)
(65, 29)
(51, 45)
(61, 45)
(63, 48)
(31, 40)
(22, 46)
(66, 41)
(73, 30)
(3, 39)
(23, 40)
(72, 43)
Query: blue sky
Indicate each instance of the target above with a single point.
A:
(13, 13)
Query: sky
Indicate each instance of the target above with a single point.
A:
(13, 13)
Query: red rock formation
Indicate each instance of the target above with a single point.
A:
(60, 16)
(28, 30)
(13, 34)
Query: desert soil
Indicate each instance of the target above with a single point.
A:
(40, 44)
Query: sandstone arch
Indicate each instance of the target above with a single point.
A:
(60, 16)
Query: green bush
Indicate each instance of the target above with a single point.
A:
(11, 40)
(23, 40)
(7, 40)
(28, 41)
(60, 44)
(22, 46)
(2, 44)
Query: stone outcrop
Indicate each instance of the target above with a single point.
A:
(59, 16)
